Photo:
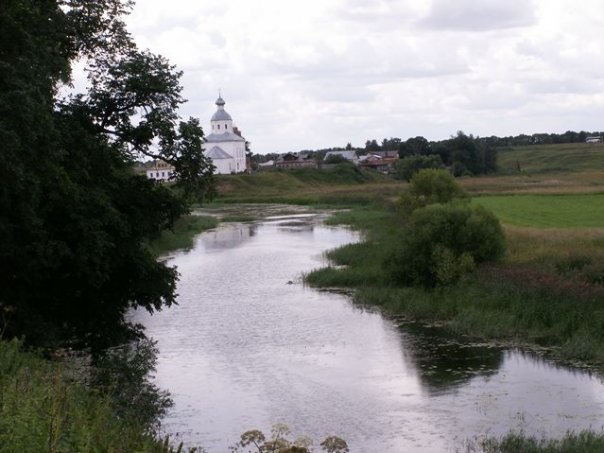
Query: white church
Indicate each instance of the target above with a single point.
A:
(225, 145)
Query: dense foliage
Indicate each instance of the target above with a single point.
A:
(444, 237)
(406, 167)
(429, 186)
(464, 154)
(444, 241)
(74, 217)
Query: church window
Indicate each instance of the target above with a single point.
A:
(219, 126)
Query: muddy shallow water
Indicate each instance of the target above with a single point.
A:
(249, 346)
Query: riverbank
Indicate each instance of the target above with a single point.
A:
(541, 294)
(57, 404)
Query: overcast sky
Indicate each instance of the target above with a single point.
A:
(321, 73)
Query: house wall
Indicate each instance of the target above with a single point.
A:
(159, 174)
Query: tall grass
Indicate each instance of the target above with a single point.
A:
(583, 442)
(44, 407)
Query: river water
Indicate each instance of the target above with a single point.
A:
(249, 346)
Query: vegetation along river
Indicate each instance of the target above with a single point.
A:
(249, 346)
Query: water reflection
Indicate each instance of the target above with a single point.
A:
(443, 362)
(227, 236)
(244, 349)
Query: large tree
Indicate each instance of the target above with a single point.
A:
(74, 217)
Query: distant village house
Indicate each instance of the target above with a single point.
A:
(296, 160)
(158, 170)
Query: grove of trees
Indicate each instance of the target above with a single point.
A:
(74, 217)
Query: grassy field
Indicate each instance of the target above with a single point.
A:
(548, 211)
(569, 157)
(344, 185)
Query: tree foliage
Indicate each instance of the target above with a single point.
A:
(429, 186)
(75, 218)
(443, 237)
(444, 241)
(464, 154)
(406, 167)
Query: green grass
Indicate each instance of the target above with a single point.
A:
(45, 408)
(182, 234)
(547, 158)
(344, 185)
(583, 442)
(548, 211)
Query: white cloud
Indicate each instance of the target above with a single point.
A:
(321, 73)
(479, 15)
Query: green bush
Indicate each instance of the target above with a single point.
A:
(407, 167)
(442, 242)
(429, 186)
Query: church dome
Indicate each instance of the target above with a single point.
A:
(221, 114)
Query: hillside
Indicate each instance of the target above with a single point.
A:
(552, 158)
(342, 184)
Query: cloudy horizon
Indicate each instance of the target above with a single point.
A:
(317, 74)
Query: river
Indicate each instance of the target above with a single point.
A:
(249, 346)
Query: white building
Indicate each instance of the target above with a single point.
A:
(225, 145)
(159, 170)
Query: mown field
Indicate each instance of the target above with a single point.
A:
(548, 211)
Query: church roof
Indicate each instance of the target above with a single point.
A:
(224, 137)
(217, 153)
(221, 115)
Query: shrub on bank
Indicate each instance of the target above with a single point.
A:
(430, 186)
(442, 242)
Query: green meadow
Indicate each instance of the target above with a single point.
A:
(547, 211)
(552, 158)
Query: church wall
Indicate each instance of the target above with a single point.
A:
(223, 166)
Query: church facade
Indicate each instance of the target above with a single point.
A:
(225, 144)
